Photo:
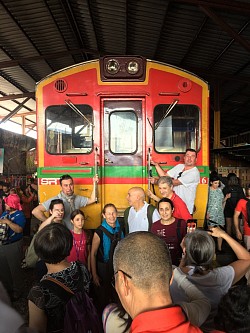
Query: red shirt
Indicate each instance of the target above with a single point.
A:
(26, 205)
(167, 320)
(79, 249)
(180, 208)
(242, 208)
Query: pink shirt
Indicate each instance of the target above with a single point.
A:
(79, 249)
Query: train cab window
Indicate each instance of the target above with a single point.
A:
(123, 132)
(176, 128)
(69, 129)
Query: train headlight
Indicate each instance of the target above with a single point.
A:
(115, 68)
(112, 66)
(133, 67)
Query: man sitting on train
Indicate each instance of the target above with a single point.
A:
(185, 177)
(140, 215)
(71, 201)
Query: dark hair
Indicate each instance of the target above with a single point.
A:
(65, 177)
(233, 315)
(166, 200)
(192, 150)
(231, 174)
(53, 243)
(200, 249)
(214, 178)
(108, 205)
(76, 212)
(233, 180)
(55, 202)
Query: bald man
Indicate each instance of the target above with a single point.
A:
(140, 215)
(142, 279)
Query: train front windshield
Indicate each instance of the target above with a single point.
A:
(177, 128)
(69, 129)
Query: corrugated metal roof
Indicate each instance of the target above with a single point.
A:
(208, 37)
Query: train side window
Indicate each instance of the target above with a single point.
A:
(69, 129)
(177, 130)
(123, 132)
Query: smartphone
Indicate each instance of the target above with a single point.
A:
(191, 225)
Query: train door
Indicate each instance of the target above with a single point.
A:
(123, 156)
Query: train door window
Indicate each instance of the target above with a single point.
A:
(69, 129)
(123, 132)
(176, 128)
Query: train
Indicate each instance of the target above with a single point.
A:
(112, 116)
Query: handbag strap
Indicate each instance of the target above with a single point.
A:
(49, 278)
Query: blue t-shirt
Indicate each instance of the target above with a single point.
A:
(18, 218)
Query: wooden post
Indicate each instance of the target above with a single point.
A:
(216, 117)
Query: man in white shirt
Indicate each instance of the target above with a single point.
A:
(140, 215)
(185, 178)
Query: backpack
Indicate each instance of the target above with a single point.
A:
(80, 313)
(31, 257)
(150, 212)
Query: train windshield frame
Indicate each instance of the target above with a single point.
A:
(69, 129)
(176, 128)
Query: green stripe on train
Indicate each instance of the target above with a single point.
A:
(108, 171)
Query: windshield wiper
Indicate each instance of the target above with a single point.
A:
(170, 108)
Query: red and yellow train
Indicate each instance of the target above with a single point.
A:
(111, 116)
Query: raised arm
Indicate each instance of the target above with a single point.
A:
(48, 220)
(158, 168)
(151, 195)
(39, 211)
(176, 182)
(92, 198)
(241, 265)
(198, 307)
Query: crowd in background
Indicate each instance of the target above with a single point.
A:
(152, 241)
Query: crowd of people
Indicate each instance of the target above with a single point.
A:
(150, 272)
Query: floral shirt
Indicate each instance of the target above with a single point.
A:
(215, 209)
(53, 306)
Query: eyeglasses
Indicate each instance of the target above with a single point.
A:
(180, 173)
(113, 278)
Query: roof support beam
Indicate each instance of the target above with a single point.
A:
(54, 55)
(229, 5)
(6, 118)
(218, 20)
(16, 96)
(25, 114)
